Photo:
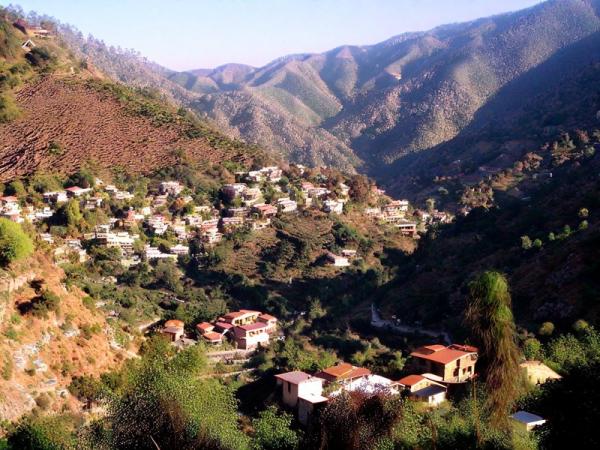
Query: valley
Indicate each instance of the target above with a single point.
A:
(377, 247)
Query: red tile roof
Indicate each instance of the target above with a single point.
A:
(343, 371)
(411, 380)
(205, 326)
(73, 189)
(224, 325)
(174, 323)
(213, 337)
(253, 326)
(441, 354)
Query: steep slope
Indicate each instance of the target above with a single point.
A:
(58, 112)
(41, 354)
(404, 95)
(555, 279)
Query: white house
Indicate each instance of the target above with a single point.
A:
(297, 383)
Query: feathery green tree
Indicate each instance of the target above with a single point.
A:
(490, 317)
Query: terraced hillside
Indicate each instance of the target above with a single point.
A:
(68, 121)
(58, 112)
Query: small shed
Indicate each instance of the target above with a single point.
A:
(526, 420)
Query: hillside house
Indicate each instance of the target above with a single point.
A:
(265, 211)
(396, 207)
(251, 196)
(180, 250)
(270, 322)
(173, 330)
(55, 197)
(286, 205)
(423, 389)
(333, 206)
(261, 224)
(237, 212)
(537, 372)
(251, 336)
(349, 253)
(76, 191)
(172, 188)
(337, 260)
(229, 224)
(94, 202)
(298, 384)
(234, 190)
(241, 317)
(211, 235)
(342, 373)
(452, 364)
(9, 202)
(406, 227)
(154, 253)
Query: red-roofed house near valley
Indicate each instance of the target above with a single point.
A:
(452, 364)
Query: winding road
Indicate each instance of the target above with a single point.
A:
(378, 322)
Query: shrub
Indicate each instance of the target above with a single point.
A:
(546, 329)
(273, 431)
(14, 243)
(526, 242)
(8, 109)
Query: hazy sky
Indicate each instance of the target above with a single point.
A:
(189, 34)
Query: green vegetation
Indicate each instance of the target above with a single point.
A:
(273, 431)
(14, 243)
(490, 317)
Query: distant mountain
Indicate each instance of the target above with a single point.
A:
(407, 110)
(370, 106)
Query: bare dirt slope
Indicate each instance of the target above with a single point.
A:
(40, 355)
(91, 125)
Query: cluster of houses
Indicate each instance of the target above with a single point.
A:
(439, 369)
(245, 207)
(245, 329)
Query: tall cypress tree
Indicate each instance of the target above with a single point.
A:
(490, 317)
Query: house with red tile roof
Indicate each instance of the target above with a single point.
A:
(452, 364)
(251, 336)
(342, 372)
(423, 389)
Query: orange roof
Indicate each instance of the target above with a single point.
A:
(411, 380)
(205, 326)
(174, 323)
(343, 371)
(213, 337)
(249, 311)
(441, 354)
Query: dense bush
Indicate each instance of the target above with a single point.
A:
(14, 243)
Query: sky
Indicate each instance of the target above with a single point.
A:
(191, 34)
